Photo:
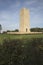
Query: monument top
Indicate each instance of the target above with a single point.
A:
(24, 9)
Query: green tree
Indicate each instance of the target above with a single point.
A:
(0, 28)
(36, 29)
(16, 30)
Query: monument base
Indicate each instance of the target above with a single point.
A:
(24, 32)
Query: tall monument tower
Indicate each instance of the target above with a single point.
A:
(24, 20)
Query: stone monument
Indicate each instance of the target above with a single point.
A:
(24, 20)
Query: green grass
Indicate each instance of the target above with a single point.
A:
(12, 36)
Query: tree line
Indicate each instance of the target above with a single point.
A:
(32, 30)
(36, 29)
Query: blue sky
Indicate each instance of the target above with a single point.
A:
(10, 13)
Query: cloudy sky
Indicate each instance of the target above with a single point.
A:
(10, 13)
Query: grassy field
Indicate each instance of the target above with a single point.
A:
(9, 36)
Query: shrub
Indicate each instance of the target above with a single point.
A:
(22, 52)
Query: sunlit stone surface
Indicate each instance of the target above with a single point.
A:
(24, 20)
